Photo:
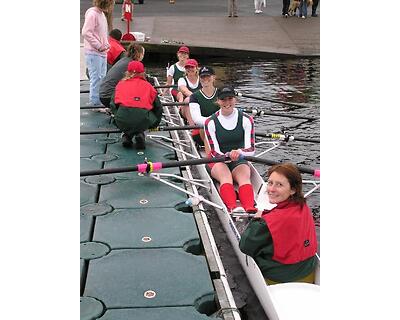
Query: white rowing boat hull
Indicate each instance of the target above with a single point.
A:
(286, 301)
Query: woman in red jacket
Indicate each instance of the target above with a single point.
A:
(136, 106)
(283, 241)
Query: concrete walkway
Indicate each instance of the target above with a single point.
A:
(205, 27)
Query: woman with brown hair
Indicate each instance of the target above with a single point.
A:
(283, 240)
(134, 52)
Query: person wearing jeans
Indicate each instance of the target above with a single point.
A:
(303, 9)
(95, 43)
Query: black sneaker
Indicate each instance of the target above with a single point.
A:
(140, 141)
(126, 141)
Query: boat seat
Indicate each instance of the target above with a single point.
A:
(303, 299)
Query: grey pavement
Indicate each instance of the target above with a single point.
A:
(205, 27)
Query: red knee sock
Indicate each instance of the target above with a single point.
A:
(228, 195)
(246, 197)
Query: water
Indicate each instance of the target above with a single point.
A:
(296, 81)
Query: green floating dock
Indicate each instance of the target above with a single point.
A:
(140, 257)
(137, 278)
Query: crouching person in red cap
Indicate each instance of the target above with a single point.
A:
(283, 240)
(136, 106)
(230, 131)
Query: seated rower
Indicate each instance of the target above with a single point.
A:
(202, 103)
(187, 85)
(177, 70)
(283, 241)
(231, 131)
(137, 106)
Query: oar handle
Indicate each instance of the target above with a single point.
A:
(276, 114)
(153, 166)
(161, 128)
(284, 137)
(174, 104)
(314, 172)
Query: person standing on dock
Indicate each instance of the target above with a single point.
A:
(230, 131)
(232, 8)
(283, 240)
(202, 103)
(136, 106)
(95, 43)
(177, 70)
(115, 74)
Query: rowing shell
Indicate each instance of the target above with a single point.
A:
(280, 301)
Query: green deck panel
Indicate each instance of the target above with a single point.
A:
(128, 193)
(86, 224)
(91, 119)
(132, 157)
(89, 164)
(170, 313)
(89, 148)
(88, 193)
(91, 308)
(125, 228)
(121, 278)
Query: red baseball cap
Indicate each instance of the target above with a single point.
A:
(135, 66)
(191, 63)
(184, 49)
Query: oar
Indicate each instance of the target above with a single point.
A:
(152, 166)
(239, 94)
(161, 128)
(314, 172)
(155, 87)
(278, 136)
(257, 112)
(284, 137)
(162, 103)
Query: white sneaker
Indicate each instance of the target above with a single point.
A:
(238, 210)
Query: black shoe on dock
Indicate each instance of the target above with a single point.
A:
(126, 141)
(140, 141)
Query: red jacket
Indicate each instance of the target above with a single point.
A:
(293, 232)
(115, 50)
(135, 93)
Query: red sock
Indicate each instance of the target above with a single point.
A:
(228, 195)
(246, 197)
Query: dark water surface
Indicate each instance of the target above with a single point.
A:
(296, 81)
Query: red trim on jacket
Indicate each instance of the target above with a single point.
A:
(115, 50)
(293, 232)
(135, 93)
